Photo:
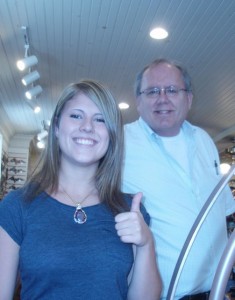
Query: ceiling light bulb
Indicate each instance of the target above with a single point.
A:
(48, 122)
(42, 135)
(158, 33)
(37, 109)
(30, 78)
(224, 168)
(34, 92)
(123, 105)
(27, 62)
(41, 145)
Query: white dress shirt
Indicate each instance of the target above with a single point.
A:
(174, 195)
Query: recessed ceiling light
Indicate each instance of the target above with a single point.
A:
(158, 33)
(123, 105)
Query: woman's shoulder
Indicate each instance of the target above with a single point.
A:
(14, 195)
(19, 197)
(12, 212)
(14, 209)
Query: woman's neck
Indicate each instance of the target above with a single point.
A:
(71, 174)
(79, 186)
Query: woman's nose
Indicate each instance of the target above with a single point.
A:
(87, 125)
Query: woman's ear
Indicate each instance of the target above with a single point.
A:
(56, 126)
(56, 131)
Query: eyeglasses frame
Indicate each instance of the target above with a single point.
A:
(164, 89)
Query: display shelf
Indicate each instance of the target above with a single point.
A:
(4, 174)
(17, 167)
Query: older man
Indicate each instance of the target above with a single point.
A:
(175, 165)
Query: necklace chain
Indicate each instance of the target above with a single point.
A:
(76, 203)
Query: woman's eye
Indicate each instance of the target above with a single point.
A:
(100, 120)
(76, 116)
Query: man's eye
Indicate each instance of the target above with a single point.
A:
(171, 91)
(153, 92)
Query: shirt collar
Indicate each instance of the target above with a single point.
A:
(188, 128)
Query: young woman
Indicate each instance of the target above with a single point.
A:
(70, 231)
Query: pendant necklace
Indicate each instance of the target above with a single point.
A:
(79, 216)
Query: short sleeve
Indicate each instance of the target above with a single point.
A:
(145, 214)
(11, 215)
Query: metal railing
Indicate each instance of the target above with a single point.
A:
(227, 258)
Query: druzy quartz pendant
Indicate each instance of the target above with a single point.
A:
(80, 216)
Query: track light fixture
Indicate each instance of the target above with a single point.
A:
(41, 144)
(30, 78)
(27, 62)
(41, 139)
(42, 135)
(37, 109)
(34, 92)
(34, 106)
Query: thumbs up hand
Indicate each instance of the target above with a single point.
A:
(131, 226)
(135, 205)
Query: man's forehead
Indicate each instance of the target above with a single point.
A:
(162, 71)
(163, 66)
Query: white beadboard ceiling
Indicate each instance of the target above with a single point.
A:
(108, 40)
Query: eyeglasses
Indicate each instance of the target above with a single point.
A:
(170, 91)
